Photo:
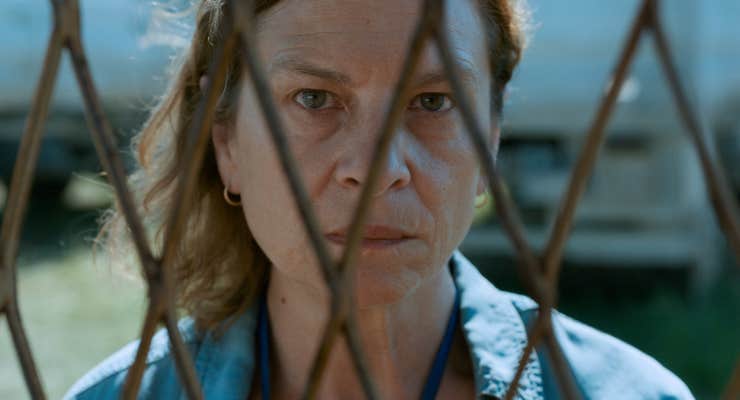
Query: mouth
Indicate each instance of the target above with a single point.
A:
(373, 237)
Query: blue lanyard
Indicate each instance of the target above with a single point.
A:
(433, 380)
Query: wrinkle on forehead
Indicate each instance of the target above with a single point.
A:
(310, 17)
(304, 13)
(374, 33)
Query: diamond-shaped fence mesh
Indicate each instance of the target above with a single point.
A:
(540, 273)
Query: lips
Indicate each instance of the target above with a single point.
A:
(373, 236)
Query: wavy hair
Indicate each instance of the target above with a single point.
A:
(215, 279)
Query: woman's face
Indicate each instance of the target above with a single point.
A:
(332, 66)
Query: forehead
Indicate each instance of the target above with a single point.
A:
(366, 33)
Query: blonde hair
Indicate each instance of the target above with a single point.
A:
(213, 278)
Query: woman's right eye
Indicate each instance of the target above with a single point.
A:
(313, 99)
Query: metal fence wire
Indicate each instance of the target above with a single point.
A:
(539, 272)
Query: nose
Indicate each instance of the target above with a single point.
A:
(354, 165)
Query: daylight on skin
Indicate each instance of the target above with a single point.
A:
(332, 72)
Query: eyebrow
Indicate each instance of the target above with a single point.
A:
(465, 72)
(291, 64)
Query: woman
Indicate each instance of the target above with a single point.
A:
(245, 265)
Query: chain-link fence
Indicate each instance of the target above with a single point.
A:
(540, 272)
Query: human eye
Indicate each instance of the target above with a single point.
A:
(315, 99)
(432, 102)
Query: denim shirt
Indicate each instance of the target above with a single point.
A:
(493, 322)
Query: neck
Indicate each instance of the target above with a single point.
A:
(400, 339)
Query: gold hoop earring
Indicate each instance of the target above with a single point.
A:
(229, 200)
(480, 204)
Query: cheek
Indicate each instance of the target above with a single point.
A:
(447, 182)
(267, 200)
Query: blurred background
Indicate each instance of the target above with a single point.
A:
(645, 262)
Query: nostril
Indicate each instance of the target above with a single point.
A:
(400, 183)
(352, 182)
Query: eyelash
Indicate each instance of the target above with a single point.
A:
(330, 97)
(415, 103)
(447, 103)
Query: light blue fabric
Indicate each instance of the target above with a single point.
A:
(493, 321)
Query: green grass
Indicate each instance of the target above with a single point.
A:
(699, 340)
(75, 315)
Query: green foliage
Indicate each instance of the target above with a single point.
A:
(74, 315)
(699, 340)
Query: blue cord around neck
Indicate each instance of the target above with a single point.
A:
(434, 379)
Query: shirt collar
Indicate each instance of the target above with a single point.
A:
(226, 363)
(496, 334)
(492, 325)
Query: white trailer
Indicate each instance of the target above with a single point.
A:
(646, 202)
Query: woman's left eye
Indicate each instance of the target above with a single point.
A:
(314, 99)
(432, 102)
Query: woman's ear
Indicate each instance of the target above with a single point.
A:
(224, 147)
(494, 137)
(482, 186)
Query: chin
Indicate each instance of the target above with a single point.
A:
(384, 285)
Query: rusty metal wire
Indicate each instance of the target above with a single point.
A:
(17, 203)
(539, 274)
(340, 310)
(732, 391)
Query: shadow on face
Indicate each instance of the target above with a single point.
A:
(332, 66)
